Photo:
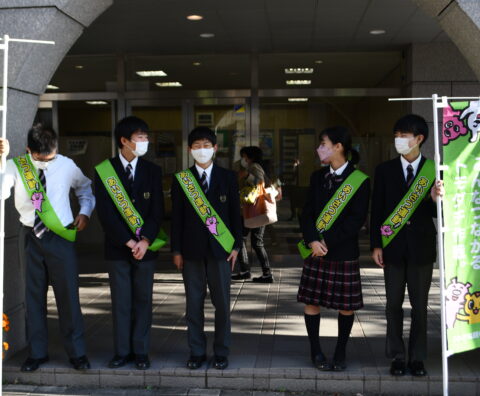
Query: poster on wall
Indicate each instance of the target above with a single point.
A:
(461, 208)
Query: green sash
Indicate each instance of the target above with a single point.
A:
(409, 203)
(122, 202)
(335, 206)
(39, 198)
(205, 211)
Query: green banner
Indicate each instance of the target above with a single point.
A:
(39, 198)
(122, 202)
(461, 211)
(334, 207)
(205, 210)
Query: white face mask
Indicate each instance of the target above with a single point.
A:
(140, 148)
(43, 165)
(203, 155)
(244, 163)
(402, 145)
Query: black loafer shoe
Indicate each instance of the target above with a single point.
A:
(242, 276)
(397, 367)
(80, 363)
(263, 279)
(119, 361)
(32, 364)
(142, 362)
(417, 368)
(320, 362)
(339, 365)
(220, 362)
(195, 362)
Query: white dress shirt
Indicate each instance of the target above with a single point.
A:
(414, 164)
(125, 163)
(340, 170)
(61, 175)
(200, 171)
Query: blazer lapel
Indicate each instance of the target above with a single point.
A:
(139, 175)
(213, 180)
(400, 174)
(117, 165)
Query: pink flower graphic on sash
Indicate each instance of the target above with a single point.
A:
(37, 200)
(211, 223)
(137, 232)
(452, 126)
(386, 230)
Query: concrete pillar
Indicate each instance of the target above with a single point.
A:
(30, 69)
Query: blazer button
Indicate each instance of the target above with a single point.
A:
(408, 222)
(133, 200)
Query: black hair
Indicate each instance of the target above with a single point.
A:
(253, 152)
(341, 134)
(412, 123)
(127, 126)
(200, 133)
(42, 139)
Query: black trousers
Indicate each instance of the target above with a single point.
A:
(131, 288)
(51, 259)
(197, 274)
(256, 238)
(417, 279)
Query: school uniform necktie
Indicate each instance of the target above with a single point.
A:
(38, 227)
(331, 178)
(129, 171)
(203, 182)
(410, 175)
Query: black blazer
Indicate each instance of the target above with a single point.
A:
(416, 241)
(342, 237)
(190, 236)
(146, 195)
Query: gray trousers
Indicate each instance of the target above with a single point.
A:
(197, 274)
(131, 287)
(417, 279)
(51, 259)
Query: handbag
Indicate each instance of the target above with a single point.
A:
(263, 212)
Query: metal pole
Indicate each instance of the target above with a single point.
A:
(441, 262)
(2, 200)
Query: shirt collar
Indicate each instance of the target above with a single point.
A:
(125, 162)
(200, 170)
(340, 170)
(414, 164)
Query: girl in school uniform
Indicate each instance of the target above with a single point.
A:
(331, 274)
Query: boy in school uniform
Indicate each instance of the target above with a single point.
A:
(206, 237)
(403, 240)
(130, 208)
(42, 180)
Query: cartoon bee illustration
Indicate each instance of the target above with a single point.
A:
(472, 309)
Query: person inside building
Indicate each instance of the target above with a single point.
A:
(252, 175)
(131, 226)
(403, 241)
(42, 180)
(335, 211)
(205, 239)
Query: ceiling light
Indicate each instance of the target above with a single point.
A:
(298, 70)
(196, 63)
(194, 17)
(151, 73)
(78, 67)
(52, 87)
(168, 84)
(319, 61)
(298, 82)
(207, 35)
(96, 102)
(377, 32)
(298, 99)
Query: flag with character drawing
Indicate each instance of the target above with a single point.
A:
(461, 209)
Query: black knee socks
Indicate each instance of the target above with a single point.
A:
(345, 323)
(312, 323)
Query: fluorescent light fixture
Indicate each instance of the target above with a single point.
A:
(207, 35)
(168, 84)
(298, 82)
(377, 32)
(319, 62)
(79, 67)
(52, 87)
(194, 17)
(151, 73)
(298, 99)
(298, 70)
(196, 63)
(96, 102)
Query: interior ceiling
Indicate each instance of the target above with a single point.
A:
(285, 33)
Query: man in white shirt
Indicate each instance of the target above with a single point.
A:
(48, 257)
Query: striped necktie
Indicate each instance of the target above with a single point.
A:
(204, 182)
(129, 171)
(38, 227)
(410, 175)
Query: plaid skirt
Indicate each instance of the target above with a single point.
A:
(331, 284)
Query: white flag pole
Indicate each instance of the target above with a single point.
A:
(3, 109)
